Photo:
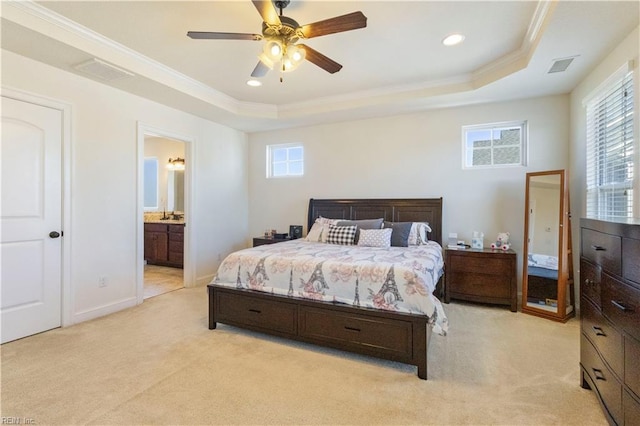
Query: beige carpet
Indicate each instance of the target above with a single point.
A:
(159, 364)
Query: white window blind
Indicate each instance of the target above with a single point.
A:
(610, 150)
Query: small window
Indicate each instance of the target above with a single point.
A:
(611, 148)
(150, 184)
(285, 160)
(494, 145)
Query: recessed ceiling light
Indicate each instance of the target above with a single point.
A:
(453, 39)
(254, 83)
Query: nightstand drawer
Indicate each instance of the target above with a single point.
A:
(479, 264)
(478, 284)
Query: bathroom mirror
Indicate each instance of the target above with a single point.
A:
(547, 282)
(175, 191)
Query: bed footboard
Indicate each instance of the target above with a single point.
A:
(382, 334)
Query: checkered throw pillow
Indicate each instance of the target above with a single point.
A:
(344, 235)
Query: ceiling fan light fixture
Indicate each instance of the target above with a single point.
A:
(254, 83)
(453, 39)
(273, 49)
(296, 53)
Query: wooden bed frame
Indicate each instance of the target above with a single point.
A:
(389, 335)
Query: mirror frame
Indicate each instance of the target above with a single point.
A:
(565, 260)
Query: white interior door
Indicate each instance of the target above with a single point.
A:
(31, 215)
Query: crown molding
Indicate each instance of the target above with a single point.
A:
(38, 18)
(519, 58)
(32, 15)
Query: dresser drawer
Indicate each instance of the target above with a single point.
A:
(606, 339)
(631, 410)
(256, 312)
(175, 236)
(602, 249)
(621, 304)
(632, 364)
(155, 227)
(176, 229)
(490, 265)
(381, 335)
(609, 389)
(590, 284)
(631, 260)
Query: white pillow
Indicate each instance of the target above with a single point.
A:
(325, 232)
(315, 233)
(375, 237)
(418, 233)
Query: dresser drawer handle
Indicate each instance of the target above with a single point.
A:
(587, 281)
(599, 331)
(351, 328)
(598, 374)
(255, 311)
(621, 306)
(598, 248)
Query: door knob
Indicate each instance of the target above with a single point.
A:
(54, 234)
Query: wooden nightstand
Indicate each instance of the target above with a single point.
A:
(486, 276)
(259, 241)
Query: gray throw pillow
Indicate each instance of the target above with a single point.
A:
(400, 233)
(362, 224)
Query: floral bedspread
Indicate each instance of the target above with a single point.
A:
(398, 279)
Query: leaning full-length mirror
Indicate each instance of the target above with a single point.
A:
(547, 282)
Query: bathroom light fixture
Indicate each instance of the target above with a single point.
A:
(176, 163)
(453, 39)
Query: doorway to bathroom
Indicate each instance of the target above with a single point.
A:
(163, 237)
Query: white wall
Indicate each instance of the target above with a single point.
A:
(627, 50)
(103, 183)
(414, 156)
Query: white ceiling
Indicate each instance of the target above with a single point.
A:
(396, 64)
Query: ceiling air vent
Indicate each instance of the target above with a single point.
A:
(103, 70)
(560, 65)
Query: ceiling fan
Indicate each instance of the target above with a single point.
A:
(281, 34)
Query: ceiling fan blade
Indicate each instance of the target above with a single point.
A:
(317, 58)
(260, 70)
(267, 11)
(348, 22)
(204, 35)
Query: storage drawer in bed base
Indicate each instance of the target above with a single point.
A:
(388, 335)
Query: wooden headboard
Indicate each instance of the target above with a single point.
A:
(391, 209)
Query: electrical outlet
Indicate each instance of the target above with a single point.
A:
(102, 281)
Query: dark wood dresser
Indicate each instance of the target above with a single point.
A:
(610, 316)
(164, 244)
(481, 275)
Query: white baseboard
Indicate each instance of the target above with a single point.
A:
(104, 310)
(204, 280)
